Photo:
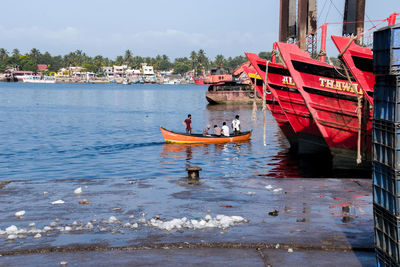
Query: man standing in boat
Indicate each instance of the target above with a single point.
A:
(188, 124)
(236, 125)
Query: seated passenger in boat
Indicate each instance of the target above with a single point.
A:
(205, 131)
(225, 129)
(217, 130)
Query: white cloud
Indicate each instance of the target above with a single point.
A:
(172, 42)
(34, 33)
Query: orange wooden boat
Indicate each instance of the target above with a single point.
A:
(173, 137)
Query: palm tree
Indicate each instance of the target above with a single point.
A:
(202, 60)
(219, 61)
(193, 57)
(128, 55)
(16, 53)
(3, 54)
(34, 54)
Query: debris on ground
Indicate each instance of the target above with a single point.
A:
(273, 213)
(84, 201)
(78, 190)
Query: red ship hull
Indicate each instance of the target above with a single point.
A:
(284, 90)
(273, 107)
(199, 81)
(333, 104)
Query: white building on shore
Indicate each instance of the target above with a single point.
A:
(147, 70)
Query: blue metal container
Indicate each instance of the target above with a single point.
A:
(387, 50)
(387, 98)
(386, 185)
(387, 229)
(386, 143)
(383, 260)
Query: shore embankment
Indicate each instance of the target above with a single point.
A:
(105, 80)
(333, 219)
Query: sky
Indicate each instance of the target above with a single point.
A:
(148, 28)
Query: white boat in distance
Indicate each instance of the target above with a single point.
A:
(38, 79)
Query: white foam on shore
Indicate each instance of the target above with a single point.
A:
(220, 221)
(57, 202)
(20, 213)
(208, 222)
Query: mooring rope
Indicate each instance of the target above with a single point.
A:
(359, 102)
(264, 108)
(254, 113)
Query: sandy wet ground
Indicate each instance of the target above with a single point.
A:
(314, 214)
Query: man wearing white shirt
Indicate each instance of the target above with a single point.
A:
(236, 125)
(225, 129)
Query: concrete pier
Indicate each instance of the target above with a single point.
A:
(319, 222)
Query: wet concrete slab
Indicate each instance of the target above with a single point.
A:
(167, 256)
(147, 257)
(280, 257)
(302, 213)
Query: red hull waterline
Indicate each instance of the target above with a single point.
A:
(333, 104)
(274, 107)
(284, 90)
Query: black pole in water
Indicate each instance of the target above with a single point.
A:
(193, 172)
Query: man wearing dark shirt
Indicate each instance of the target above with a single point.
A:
(188, 124)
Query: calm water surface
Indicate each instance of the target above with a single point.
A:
(89, 131)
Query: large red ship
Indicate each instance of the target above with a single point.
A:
(333, 98)
(274, 107)
(284, 90)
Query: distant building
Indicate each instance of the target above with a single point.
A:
(63, 72)
(42, 67)
(73, 70)
(147, 70)
(20, 73)
(108, 71)
(119, 71)
(132, 72)
(84, 75)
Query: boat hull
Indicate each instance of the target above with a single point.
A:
(234, 96)
(173, 137)
(333, 105)
(274, 107)
(284, 90)
(38, 81)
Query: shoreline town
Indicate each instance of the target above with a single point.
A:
(116, 74)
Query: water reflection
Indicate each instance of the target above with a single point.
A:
(250, 158)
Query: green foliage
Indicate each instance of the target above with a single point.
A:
(181, 68)
(196, 61)
(334, 61)
(265, 55)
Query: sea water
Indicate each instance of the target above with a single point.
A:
(112, 131)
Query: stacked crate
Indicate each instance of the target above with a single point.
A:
(386, 145)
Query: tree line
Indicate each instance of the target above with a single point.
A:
(197, 61)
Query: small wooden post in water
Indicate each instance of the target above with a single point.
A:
(193, 172)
